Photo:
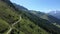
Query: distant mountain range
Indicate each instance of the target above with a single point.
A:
(55, 14)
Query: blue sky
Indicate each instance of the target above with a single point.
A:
(39, 5)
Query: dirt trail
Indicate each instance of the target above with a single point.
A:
(11, 27)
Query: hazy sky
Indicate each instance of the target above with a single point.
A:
(39, 5)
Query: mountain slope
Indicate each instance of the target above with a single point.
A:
(9, 15)
(46, 16)
(30, 23)
(50, 20)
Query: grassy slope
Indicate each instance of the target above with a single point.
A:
(7, 13)
(4, 26)
(7, 16)
(28, 27)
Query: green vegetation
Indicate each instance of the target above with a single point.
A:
(4, 26)
(28, 27)
(8, 13)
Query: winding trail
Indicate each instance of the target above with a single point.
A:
(11, 27)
